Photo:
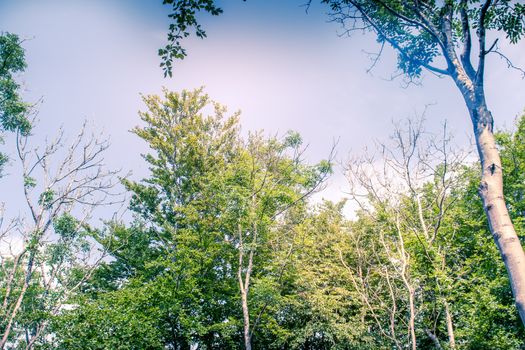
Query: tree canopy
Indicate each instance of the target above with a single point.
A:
(13, 111)
(225, 245)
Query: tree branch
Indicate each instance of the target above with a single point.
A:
(482, 42)
(365, 17)
(467, 40)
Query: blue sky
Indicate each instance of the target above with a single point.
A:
(283, 68)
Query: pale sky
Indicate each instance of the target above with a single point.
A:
(283, 68)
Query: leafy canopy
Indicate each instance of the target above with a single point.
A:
(12, 108)
(433, 35)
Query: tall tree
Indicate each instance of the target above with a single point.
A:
(199, 256)
(270, 180)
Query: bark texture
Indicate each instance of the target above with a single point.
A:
(501, 227)
(244, 286)
(491, 190)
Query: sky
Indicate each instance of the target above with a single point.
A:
(282, 67)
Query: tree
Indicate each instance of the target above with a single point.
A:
(407, 202)
(268, 184)
(199, 257)
(49, 254)
(13, 110)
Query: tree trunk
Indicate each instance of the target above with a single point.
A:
(501, 227)
(411, 326)
(244, 286)
(434, 339)
(404, 276)
(246, 317)
(491, 193)
(450, 327)
(18, 304)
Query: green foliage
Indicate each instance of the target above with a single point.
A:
(46, 198)
(29, 182)
(66, 226)
(184, 18)
(319, 280)
(417, 31)
(58, 271)
(325, 312)
(12, 61)
(181, 255)
(13, 111)
(512, 147)
(508, 17)
(129, 319)
(347, 285)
